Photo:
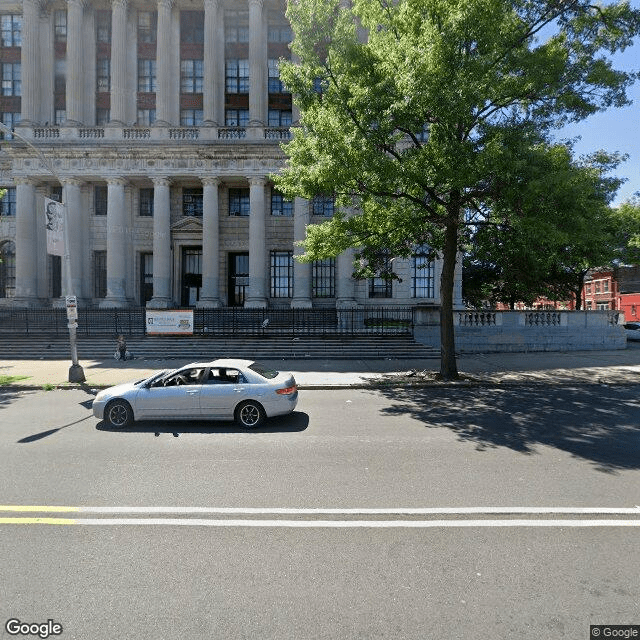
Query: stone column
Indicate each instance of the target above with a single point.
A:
(30, 57)
(257, 65)
(75, 67)
(72, 199)
(26, 248)
(161, 245)
(119, 48)
(214, 74)
(209, 293)
(345, 284)
(163, 60)
(257, 297)
(116, 245)
(301, 270)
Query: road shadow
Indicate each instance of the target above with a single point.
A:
(292, 423)
(596, 423)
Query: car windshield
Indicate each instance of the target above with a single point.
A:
(263, 371)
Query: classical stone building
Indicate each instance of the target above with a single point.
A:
(158, 125)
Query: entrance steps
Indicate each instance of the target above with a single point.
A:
(204, 348)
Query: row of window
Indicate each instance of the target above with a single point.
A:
(192, 203)
(191, 29)
(599, 286)
(281, 277)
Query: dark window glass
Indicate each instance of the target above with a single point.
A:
(239, 202)
(8, 202)
(423, 274)
(100, 200)
(11, 30)
(192, 27)
(147, 26)
(7, 270)
(146, 203)
(192, 202)
(281, 274)
(99, 274)
(323, 278)
(323, 206)
(280, 206)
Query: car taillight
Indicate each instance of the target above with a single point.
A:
(287, 390)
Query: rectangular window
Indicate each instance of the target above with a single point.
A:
(236, 33)
(239, 202)
(281, 274)
(99, 274)
(275, 85)
(100, 200)
(422, 275)
(103, 27)
(192, 202)
(60, 76)
(147, 26)
(146, 76)
(279, 118)
(280, 206)
(145, 209)
(191, 117)
(280, 34)
(597, 287)
(61, 116)
(588, 288)
(8, 202)
(11, 80)
(323, 206)
(605, 286)
(380, 287)
(191, 76)
(55, 276)
(192, 27)
(146, 117)
(236, 117)
(103, 75)
(323, 277)
(60, 25)
(9, 120)
(11, 27)
(146, 278)
(237, 76)
(7, 270)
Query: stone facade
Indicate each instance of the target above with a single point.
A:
(118, 105)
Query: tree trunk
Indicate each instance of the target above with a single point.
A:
(448, 365)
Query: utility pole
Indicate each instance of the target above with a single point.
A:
(76, 372)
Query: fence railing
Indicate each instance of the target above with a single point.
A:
(227, 321)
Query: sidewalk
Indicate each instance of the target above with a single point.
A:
(576, 367)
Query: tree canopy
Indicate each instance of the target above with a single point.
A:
(417, 112)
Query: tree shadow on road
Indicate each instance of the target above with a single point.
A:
(593, 422)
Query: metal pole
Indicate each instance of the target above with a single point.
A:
(76, 373)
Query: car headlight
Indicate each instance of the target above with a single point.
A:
(102, 396)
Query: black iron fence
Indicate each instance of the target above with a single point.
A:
(227, 321)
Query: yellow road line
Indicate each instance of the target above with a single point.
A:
(37, 521)
(10, 507)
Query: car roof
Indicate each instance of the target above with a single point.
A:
(223, 362)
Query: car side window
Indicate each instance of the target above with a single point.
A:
(224, 376)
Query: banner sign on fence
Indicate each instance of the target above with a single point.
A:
(169, 323)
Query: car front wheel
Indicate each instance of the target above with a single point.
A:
(118, 414)
(250, 414)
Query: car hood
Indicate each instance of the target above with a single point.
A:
(117, 391)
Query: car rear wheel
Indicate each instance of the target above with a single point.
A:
(250, 414)
(118, 414)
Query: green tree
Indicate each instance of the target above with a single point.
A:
(480, 76)
(549, 227)
(627, 225)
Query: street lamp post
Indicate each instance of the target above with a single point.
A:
(76, 373)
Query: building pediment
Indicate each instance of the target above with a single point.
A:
(187, 225)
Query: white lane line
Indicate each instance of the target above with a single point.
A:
(364, 511)
(352, 524)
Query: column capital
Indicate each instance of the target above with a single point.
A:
(210, 181)
(256, 3)
(24, 181)
(81, 4)
(120, 4)
(257, 181)
(117, 180)
(165, 4)
(212, 4)
(161, 181)
(72, 182)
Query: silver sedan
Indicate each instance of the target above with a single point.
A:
(226, 389)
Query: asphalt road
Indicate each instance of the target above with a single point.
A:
(184, 570)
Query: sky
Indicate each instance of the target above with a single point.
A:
(615, 129)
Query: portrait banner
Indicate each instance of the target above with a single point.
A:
(54, 215)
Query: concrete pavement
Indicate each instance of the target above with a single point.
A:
(577, 367)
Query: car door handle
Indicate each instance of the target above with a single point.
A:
(238, 389)
(193, 392)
